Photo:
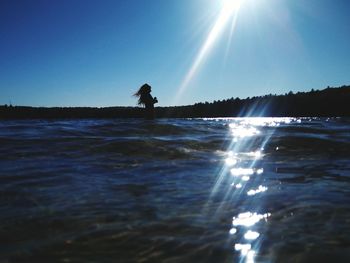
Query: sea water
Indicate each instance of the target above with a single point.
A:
(175, 190)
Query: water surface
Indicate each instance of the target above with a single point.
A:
(192, 190)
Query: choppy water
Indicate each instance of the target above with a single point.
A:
(198, 190)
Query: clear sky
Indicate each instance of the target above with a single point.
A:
(98, 52)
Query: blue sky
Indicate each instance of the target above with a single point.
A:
(97, 53)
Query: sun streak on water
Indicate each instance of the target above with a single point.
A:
(243, 171)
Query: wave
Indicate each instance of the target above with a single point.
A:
(168, 190)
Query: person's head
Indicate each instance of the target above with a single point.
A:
(143, 90)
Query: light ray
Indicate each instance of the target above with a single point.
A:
(229, 10)
(233, 27)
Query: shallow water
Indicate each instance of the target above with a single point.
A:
(194, 190)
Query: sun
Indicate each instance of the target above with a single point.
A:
(231, 5)
(228, 12)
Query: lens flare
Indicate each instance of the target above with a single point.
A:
(229, 10)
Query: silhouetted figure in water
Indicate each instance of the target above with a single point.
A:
(146, 99)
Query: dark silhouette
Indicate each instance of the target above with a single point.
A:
(146, 99)
(330, 102)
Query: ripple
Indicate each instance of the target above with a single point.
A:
(226, 190)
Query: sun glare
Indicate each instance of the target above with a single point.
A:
(229, 11)
(232, 4)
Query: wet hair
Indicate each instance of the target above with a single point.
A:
(143, 90)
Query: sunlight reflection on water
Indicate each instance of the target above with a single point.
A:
(247, 219)
(260, 189)
(244, 167)
(243, 131)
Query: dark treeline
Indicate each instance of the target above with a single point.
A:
(322, 103)
(21, 112)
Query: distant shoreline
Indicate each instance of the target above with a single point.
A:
(330, 102)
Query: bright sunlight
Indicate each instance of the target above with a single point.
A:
(229, 12)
